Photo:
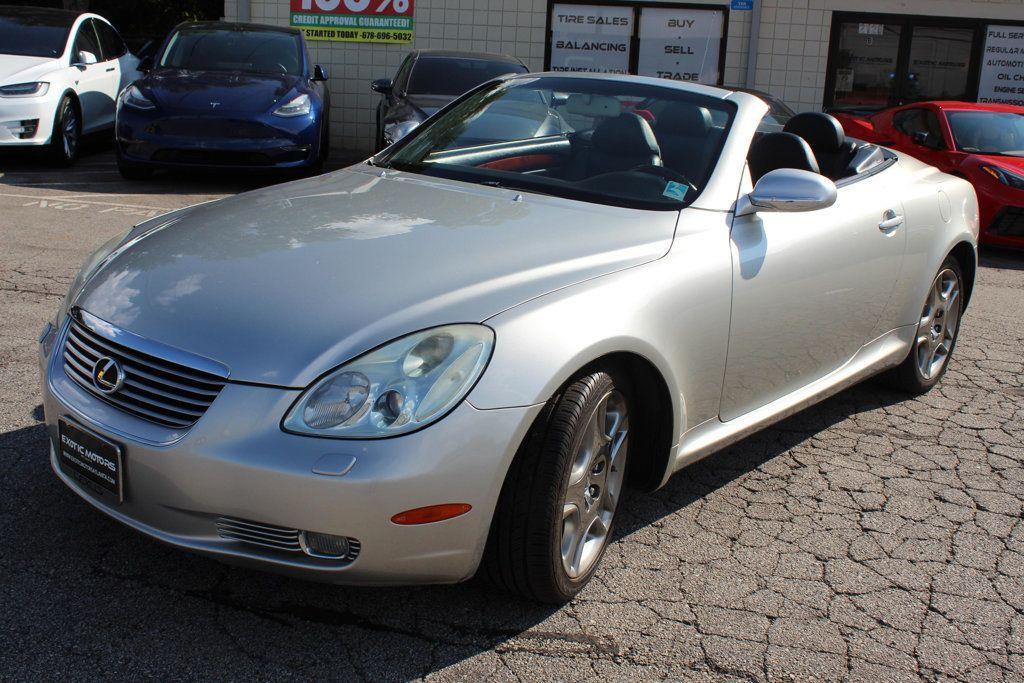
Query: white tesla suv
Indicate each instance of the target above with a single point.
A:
(60, 75)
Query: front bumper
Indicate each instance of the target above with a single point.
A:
(1002, 214)
(16, 112)
(236, 462)
(179, 140)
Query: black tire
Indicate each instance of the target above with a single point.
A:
(130, 171)
(909, 376)
(66, 138)
(524, 547)
(323, 151)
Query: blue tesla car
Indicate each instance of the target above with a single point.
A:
(225, 95)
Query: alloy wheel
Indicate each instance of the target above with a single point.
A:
(940, 320)
(69, 131)
(594, 485)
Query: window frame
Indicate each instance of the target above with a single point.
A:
(115, 33)
(401, 81)
(385, 157)
(932, 125)
(87, 24)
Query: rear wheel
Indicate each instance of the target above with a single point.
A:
(937, 332)
(557, 507)
(67, 133)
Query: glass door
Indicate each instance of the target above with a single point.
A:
(939, 64)
(864, 65)
(878, 60)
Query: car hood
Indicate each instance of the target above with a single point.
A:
(185, 90)
(285, 283)
(18, 69)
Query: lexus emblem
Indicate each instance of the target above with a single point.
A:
(107, 375)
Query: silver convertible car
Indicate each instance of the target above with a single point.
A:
(453, 358)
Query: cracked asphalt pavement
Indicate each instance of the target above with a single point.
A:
(870, 538)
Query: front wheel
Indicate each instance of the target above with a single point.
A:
(936, 335)
(67, 133)
(557, 507)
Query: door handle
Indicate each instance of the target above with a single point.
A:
(890, 221)
(110, 69)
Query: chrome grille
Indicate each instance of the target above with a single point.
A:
(265, 535)
(270, 536)
(154, 389)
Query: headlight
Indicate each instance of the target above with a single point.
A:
(300, 106)
(133, 98)
(399, 388)
(1005, 177)
(25, 90)
(393, 132)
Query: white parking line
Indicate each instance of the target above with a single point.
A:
(81, 201)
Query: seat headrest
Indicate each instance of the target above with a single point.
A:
(822, 132)
(780, 150)
(628, 134)
(685, 120)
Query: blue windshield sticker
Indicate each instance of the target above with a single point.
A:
(674, 190)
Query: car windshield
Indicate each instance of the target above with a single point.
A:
(454, 76)
(988, 132)
(34, 35)
(593, 139)
(205, 48)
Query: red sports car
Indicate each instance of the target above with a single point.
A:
(983, 143)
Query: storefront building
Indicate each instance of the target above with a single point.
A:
(813, 54)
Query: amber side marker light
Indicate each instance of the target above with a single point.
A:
(431, 513)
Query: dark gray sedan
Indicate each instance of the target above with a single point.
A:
(428, 80)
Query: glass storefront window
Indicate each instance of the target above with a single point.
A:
(940, 60)
(865, 65)
(680, 44)
(676, 42)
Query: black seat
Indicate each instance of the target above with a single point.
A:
(827, 140)
(686, 136)
(619, 144)
(780, 150)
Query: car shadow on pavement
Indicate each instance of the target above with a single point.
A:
(702, 478)
(1004, 259)
(72, 571)
(96, 173)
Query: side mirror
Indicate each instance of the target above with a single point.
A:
(381, 85)
(85, 58)
(926, 139)
(319, 73)
(145, 65)
(790, 190)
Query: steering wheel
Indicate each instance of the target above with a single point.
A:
(662, 172)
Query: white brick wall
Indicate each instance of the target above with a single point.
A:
(791, 63)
